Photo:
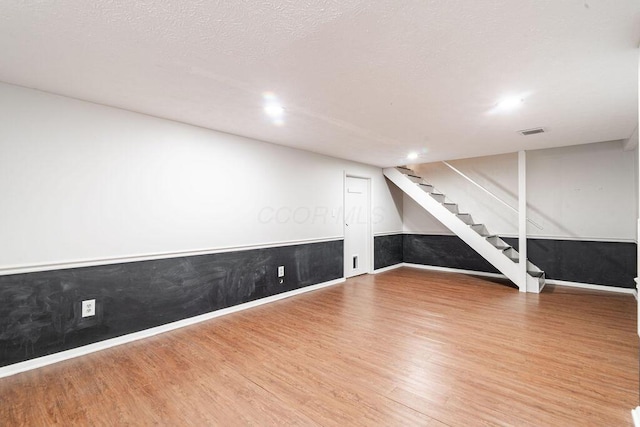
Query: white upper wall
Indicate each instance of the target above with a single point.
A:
(580, 192)
(81, 181)
(497, 173)
(585, 191)
(419, 221)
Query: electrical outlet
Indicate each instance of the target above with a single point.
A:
(88, 308)
(281, 271)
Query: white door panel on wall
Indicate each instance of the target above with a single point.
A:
(357, 226)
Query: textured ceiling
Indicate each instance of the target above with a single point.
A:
(362, 80)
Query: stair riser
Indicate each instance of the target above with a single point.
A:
(452, 208)
(498, 243)
(466, 219)
(511, 254)
(480, 229)
(532, 267)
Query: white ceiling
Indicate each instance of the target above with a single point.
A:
(362, 80)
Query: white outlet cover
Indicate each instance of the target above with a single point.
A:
(88, 308)
(281, 271)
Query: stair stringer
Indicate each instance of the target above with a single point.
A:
(478, 243)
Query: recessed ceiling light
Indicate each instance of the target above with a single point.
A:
(273, 108)
(412, 156)
(510, 103)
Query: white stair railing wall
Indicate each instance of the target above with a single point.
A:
(485, 208)
(465, 224)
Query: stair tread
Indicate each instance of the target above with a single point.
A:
(498, 245)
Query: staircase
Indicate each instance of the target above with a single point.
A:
(491, 247)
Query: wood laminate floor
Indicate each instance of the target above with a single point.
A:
(406, 347)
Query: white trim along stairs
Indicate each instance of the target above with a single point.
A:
(490, 246)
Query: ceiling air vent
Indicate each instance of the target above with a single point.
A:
(533, 131)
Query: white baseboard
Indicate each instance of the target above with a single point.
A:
(102, 345)
(391, 267)
(547, 281)
(635, 415)
(454, 270)
(590, 286)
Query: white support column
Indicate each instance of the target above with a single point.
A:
(635, 413)
(522, 220)
(636, 136)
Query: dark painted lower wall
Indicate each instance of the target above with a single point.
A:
(443, 251)
(599, 263)
(40, 312)
(387, 251)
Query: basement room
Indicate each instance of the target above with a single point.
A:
(323, 213)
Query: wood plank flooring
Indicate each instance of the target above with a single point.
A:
(406, 347)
